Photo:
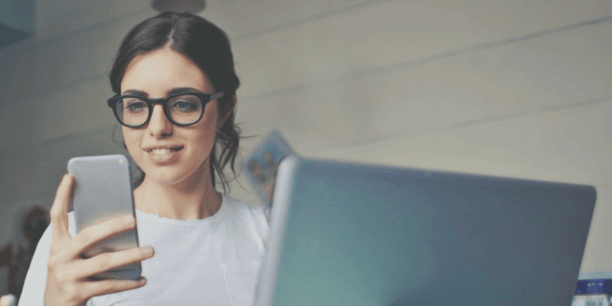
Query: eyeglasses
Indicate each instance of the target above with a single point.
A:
(181, 109)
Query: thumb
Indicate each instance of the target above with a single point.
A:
(59, 210)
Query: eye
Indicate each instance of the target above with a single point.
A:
(134, 105)
(185, 104)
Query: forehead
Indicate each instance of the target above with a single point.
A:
(159, 71)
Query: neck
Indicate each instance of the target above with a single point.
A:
(193, 198)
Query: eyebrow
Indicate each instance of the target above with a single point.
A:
(170, 92)
(182, 89)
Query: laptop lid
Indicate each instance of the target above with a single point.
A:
(354, 234)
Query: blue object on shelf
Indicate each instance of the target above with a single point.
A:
(594, 286)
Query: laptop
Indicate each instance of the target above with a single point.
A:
(354, 234)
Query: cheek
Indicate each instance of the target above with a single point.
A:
(205, 133)
(209, 119)
(211, 111)
(130, 137)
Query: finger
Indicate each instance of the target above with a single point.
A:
(111, 260)
(91, 235)
(59, 210)
(95, 288)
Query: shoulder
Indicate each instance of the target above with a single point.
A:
(247, 214)
(33, 292)
(245, 209)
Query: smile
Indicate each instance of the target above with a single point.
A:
(163, 151)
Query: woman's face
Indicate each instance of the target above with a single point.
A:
(169, 154)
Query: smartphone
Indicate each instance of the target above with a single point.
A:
(103, 191)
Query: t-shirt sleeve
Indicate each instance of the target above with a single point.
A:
(33, 292)
(260, 223)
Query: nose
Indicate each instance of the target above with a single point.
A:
(159, 125)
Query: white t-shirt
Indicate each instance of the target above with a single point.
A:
(212, 261)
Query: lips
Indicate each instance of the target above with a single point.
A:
(163, 151)
(163, 155)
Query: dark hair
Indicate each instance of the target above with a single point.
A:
(207, 46)
(34, 223)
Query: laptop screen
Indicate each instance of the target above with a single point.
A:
(352, 234)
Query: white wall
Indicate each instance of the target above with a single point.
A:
(517, 88)
(18, 14)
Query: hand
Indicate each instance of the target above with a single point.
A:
(8, 300)
(68, 273)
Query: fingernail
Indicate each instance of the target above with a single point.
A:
(128, 220)
(143, 281)
(147, 250)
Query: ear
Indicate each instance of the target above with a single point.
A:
(227, 112)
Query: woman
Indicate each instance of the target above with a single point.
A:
(175, 97)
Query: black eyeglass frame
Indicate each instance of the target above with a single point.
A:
(204, 99)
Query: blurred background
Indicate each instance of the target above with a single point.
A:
(516, 88)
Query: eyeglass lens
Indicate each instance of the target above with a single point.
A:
(183, 109)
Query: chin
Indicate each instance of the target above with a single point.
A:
(164, 180)
(172, 175)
